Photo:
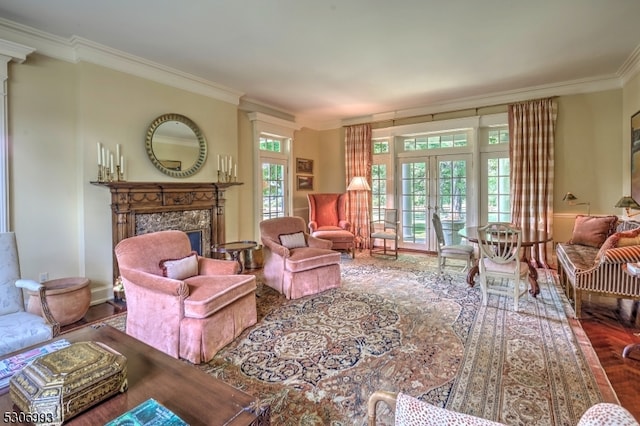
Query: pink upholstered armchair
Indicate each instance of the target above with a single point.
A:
(297, 264)
(180, 303)
(328, 221)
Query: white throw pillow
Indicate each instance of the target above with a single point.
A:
(294, 240)
(180, 269)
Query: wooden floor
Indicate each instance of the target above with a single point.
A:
(609, 325)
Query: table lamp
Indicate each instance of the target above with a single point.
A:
(628, 203)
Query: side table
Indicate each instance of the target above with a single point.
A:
(234, 249)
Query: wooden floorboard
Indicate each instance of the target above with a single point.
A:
(609, 325)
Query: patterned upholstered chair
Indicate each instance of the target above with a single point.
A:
(180, 303)
(297, 264)
(328, 220)
(18, 328)
(410, 411)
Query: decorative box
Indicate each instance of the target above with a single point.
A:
(57, 386)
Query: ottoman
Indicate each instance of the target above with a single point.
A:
(341, 239)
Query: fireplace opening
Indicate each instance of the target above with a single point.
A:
(195, 237)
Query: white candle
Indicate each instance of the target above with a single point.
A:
(104, 156)
(99, 155)
(111, 163)
(121, 164)
(229, 164)
(118, 153)
(235, 170)
(218, 169)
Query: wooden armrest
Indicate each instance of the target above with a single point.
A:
(44, 305)
(388, 398)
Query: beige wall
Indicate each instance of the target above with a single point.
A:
(58, 112)
(630, 106)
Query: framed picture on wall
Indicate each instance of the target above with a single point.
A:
(635, 156)
(305, 183)
(304, 166)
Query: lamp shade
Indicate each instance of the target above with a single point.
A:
(627, 202)
(359, 183)
(569, 197)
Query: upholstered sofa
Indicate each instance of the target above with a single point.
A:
(19, 328)
(297, 264)
(592, 261)
(180, 303)
(410, 411)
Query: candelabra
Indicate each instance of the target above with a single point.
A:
(226, 177)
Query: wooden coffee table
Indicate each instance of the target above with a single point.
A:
(192, 394)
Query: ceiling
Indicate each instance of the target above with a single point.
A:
(331, 61)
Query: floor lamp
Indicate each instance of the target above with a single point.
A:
(358, 184)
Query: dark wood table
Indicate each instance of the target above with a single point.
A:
(192, 394)
(530, 238)
(234, 249)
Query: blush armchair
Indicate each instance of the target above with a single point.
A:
(19, 328)
(328, 221)
(297, 264)
(180, 303)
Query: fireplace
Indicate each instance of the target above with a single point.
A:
(143, 207)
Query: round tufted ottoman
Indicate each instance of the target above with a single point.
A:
(68, 299)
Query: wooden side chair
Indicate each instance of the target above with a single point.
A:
(450, 251)
(385, 230)
(500, 261)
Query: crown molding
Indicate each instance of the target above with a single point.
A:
(77, 49)
(16, 51)
(573, 87)
(630, 67)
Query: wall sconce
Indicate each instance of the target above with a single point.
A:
(627, 203)
(570, 199)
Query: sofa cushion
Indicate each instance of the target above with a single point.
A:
(179, 269)
(619, 239)
(593, 230)
(303, 259)
(292, 241)
(210, 293)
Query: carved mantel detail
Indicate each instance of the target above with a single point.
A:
(129, 199)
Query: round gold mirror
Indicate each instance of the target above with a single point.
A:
(175, 145)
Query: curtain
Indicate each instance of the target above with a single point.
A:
(531, 129)
(358, 159)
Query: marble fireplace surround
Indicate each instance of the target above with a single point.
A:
(142, 207)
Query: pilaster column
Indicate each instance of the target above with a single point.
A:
(9, 51)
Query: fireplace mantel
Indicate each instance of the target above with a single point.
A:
(129, 199)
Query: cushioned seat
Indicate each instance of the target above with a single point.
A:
(208, 295)
(182, 304)
(296, 263)
(328, 221)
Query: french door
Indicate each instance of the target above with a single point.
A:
(432, 184)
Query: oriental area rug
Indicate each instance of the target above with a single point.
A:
(398, 325)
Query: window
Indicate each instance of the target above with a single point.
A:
(274, 173)
(496, 172)
(272, 152)
(498, 190)
(381, 179)
(452, 140)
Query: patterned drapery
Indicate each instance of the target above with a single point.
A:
(531, 129)
(358, 159)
